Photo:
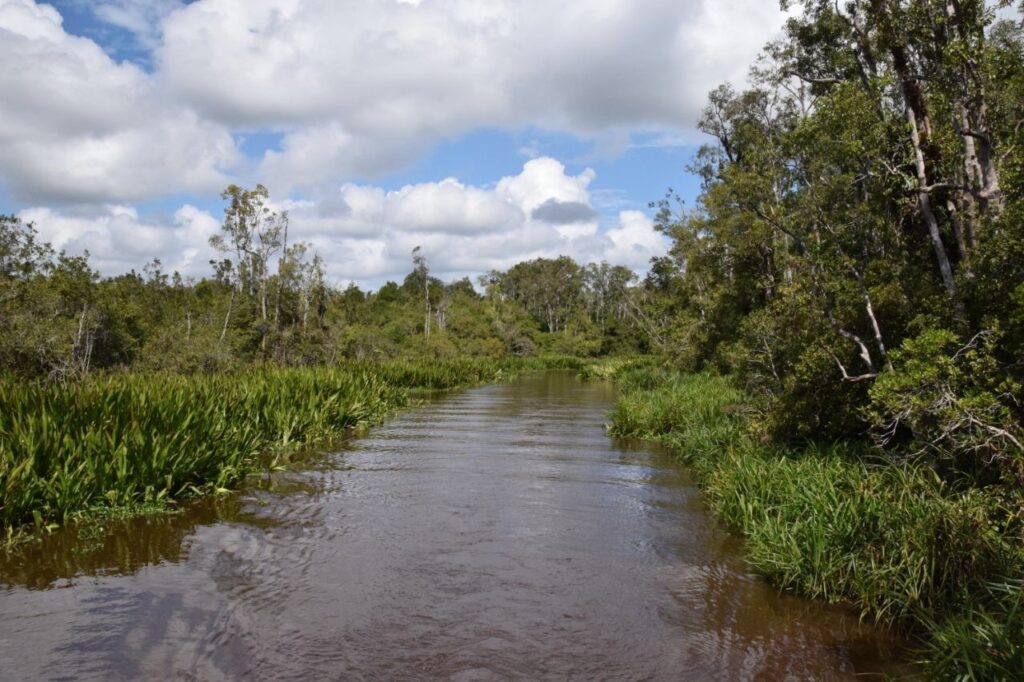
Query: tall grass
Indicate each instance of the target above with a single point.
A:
(840, 523)
(132, 440)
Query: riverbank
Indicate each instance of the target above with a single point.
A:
(943, 560)
(131, 443)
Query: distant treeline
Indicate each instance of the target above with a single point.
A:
(268, 300)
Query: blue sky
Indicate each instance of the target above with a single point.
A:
(125, 118)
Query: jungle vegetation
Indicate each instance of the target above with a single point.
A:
(267, 301)
(855, 267)
(838, 325)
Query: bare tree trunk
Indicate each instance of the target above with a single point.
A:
(426, 306)
(263, 300)
(972, 178)
(305, 310)
(916, 112)
(958, 232)
(865, 354)
(81, 330)
(869, 308)
(991, 194)
(973, 114)
(227, 318)
(81, 352)
(263, 312)
(925, 205)
(280, 264)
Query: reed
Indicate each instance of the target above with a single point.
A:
(942, 559)
(134, 440)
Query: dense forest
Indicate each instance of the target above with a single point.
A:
(855, 267)
(270, 301)
(856, 259)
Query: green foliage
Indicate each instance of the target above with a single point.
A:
(856, 257)
(983, 641)
(63, 321)
(832, 523)
(139, 439)
(950, 399)
(125, 440)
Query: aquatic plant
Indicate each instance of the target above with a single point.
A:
(942, 559)
(126, 440)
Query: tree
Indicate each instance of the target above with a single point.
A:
(856, 197)
(421, 270)
(253, 232)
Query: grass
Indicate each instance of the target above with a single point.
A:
(840, 523)
(143, 441)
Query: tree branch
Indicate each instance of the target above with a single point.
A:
(811, 79)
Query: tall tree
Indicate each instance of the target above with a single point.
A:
(421, 269)
(253, 232)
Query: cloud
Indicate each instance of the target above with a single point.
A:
(313, 155)
(118, 240)
(633, 241)
(461, 228)
(76, 126)
(399, 67)
(363, 88)
(141, 18)
(355, 88)
(564, 212)
(366, 234)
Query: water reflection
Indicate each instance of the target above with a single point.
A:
(123, 546)
(493, 534)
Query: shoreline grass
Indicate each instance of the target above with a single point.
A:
(146, 441)
(943, 561)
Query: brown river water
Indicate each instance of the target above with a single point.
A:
(493, 533)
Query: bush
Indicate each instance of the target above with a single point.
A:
(842, 523)
(956, 403)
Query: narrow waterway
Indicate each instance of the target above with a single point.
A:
(495, 533)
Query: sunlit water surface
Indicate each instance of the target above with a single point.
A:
(495, 533)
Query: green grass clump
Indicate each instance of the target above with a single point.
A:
(137, 440)
(840, 523)
(614, 367)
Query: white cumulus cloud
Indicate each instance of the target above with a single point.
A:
(349, 91)
(118, 240)
(366, 233)
(360, 87)
(75, 125)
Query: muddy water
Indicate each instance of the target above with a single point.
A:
(491, 534)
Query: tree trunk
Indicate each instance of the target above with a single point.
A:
(973, 118)
(305, 310)
(925, 205)
(916, 113)
(280, 266)
(869, 308)
(227, 319)
(426, 306)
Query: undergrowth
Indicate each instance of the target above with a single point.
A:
(941, 559)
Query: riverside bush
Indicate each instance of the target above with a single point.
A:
(942, 559)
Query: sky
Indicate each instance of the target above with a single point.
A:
(484, 131)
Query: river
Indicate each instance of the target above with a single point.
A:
(492, 533)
